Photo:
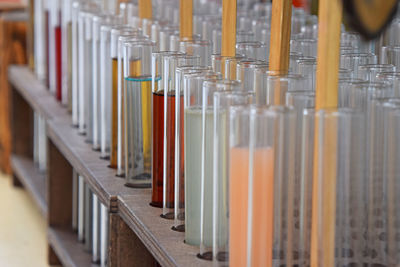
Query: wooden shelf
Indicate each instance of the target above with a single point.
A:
(68, 249)
(32, 179)
(101, 179)
(36, 94)
(167, 246)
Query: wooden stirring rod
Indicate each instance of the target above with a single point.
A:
(324, 176)
(279, 51)
(280, 36)
(229, 9)
(186, 19)
(145, 9)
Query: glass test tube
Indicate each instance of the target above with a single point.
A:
(270, 224)
(66, 66)
(39, 41)
(193, 101)
(393, 78)
(88, 208)
(239, 122)
(104, 222)
(158, 84)
(338, 202)
(114, 35)
(200, 48)
(98, 21)
(393, 174)
(138, 83)
(390, 55)
(368, 72)
(134, 36)
(169, 105)
(95, 229)
(224, 101)
(353, 60)
(74, 61)
(207, 202)
(179, 191)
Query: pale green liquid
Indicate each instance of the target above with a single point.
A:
(193, 143)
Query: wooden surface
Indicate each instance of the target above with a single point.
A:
(186, 19)
(66, 247)
(101, 179)
(12, 47)
(229, 14)
(32, 179)
(126, 249)
(145, 9)
(166, 245)
(35, 93)
(280, 35)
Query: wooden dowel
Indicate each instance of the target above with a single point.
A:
(329, 29)
(280, 35)
(145, 9)
(186, 19)
(229, 9)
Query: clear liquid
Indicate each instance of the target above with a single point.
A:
(138, 146)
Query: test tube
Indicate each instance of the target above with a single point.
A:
(338, 197)
(353, 60)
(115, 33)
(239, 122)
(138, 84)
(133, 36)
(66, 66)
(207, 201)
(368, 72)
(393, 174)
(158, 84)
(224, 101)
(104, 229)
(200, 48)
(169, 97)
(393, 78)
(179, 201)
(74, 62)
(271, 187)
(307, 47)
(98, 21)
(39, 40)
(193, 101)
(81, 209)
(75, 177)
(88, 218)
(390, 55)
(95, 229)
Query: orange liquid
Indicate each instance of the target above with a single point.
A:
(114, 114)
(262, 223)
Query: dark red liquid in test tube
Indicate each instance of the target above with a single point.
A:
(158, 150)
(158, 146)
(58, 57)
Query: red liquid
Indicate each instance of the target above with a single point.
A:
(47, 50)
(158, 148)
(58, 62)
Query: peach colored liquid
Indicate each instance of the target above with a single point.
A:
(262, 228)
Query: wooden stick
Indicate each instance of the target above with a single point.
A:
(186, 19)
(145, 9)
(280, 35)
(324, 176)
(229, 9)
(330, 18)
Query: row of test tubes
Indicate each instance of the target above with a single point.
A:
(228, 147)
